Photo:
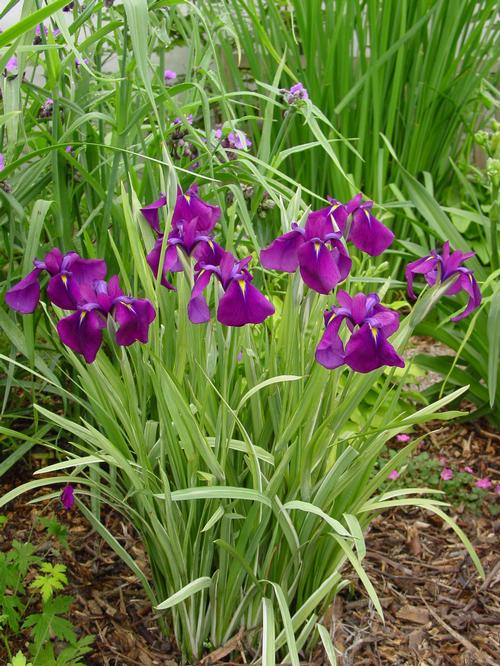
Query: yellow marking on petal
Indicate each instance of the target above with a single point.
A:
(374, 331)
(243, 286)
(187, 197)
(331, 318)
(317, 247)
(129, 306)
(82, 315)
(210, 244)
(64, 279)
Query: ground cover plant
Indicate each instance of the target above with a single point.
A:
(223, 345)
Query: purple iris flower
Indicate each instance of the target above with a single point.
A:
(316, 249)
(241, 304)
(192, 223)
(67, 273)
(2, 161)
(446, 266)
(82, 330)
(370, 323)
(68, 497)
(358, 225)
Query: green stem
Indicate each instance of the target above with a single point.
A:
(494, 222)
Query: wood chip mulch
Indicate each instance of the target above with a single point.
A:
(437, 610)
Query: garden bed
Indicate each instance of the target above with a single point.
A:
(437, 610)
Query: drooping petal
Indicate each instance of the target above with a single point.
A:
(422, 266)
(243, 304)
(369, 234)
(63, 291)
(153, 260)
(318, 267)
(282, 254)
(198, 311)
(133, 315)
(368, 349)
(330, 350)
(82, 332)
(150, 212)
(25, 295)
(341, 258)
(470, 286)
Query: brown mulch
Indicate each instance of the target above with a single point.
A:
(437, 610)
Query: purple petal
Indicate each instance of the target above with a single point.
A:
(153, 260)
(319, 223)
(421, 266)
(470, 286)
(25, 295)
(330, 350)
(243, 304)
(385, 319)
(81, 332)
(53, 261)
(368, 349)
(63, 291)
(198, 311)
(134, 316)
(369, 234)
(87, 270)
(318, 267)
(150, 212)
(189, 206)
(282, 255)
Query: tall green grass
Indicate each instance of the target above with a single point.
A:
(410, 70)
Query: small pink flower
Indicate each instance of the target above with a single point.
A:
(68, 496)
(393, 475)
(484, 484)
(403, 438)
(468, 469)
(68, 149)
(169, 75)
(447, 474)
(2, 162)
(497, 489)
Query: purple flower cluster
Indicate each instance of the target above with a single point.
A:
(370, 324)
(297, 93)
(318, 249)
(79, 285)
(193, 221)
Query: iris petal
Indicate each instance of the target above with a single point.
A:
(25, 295)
